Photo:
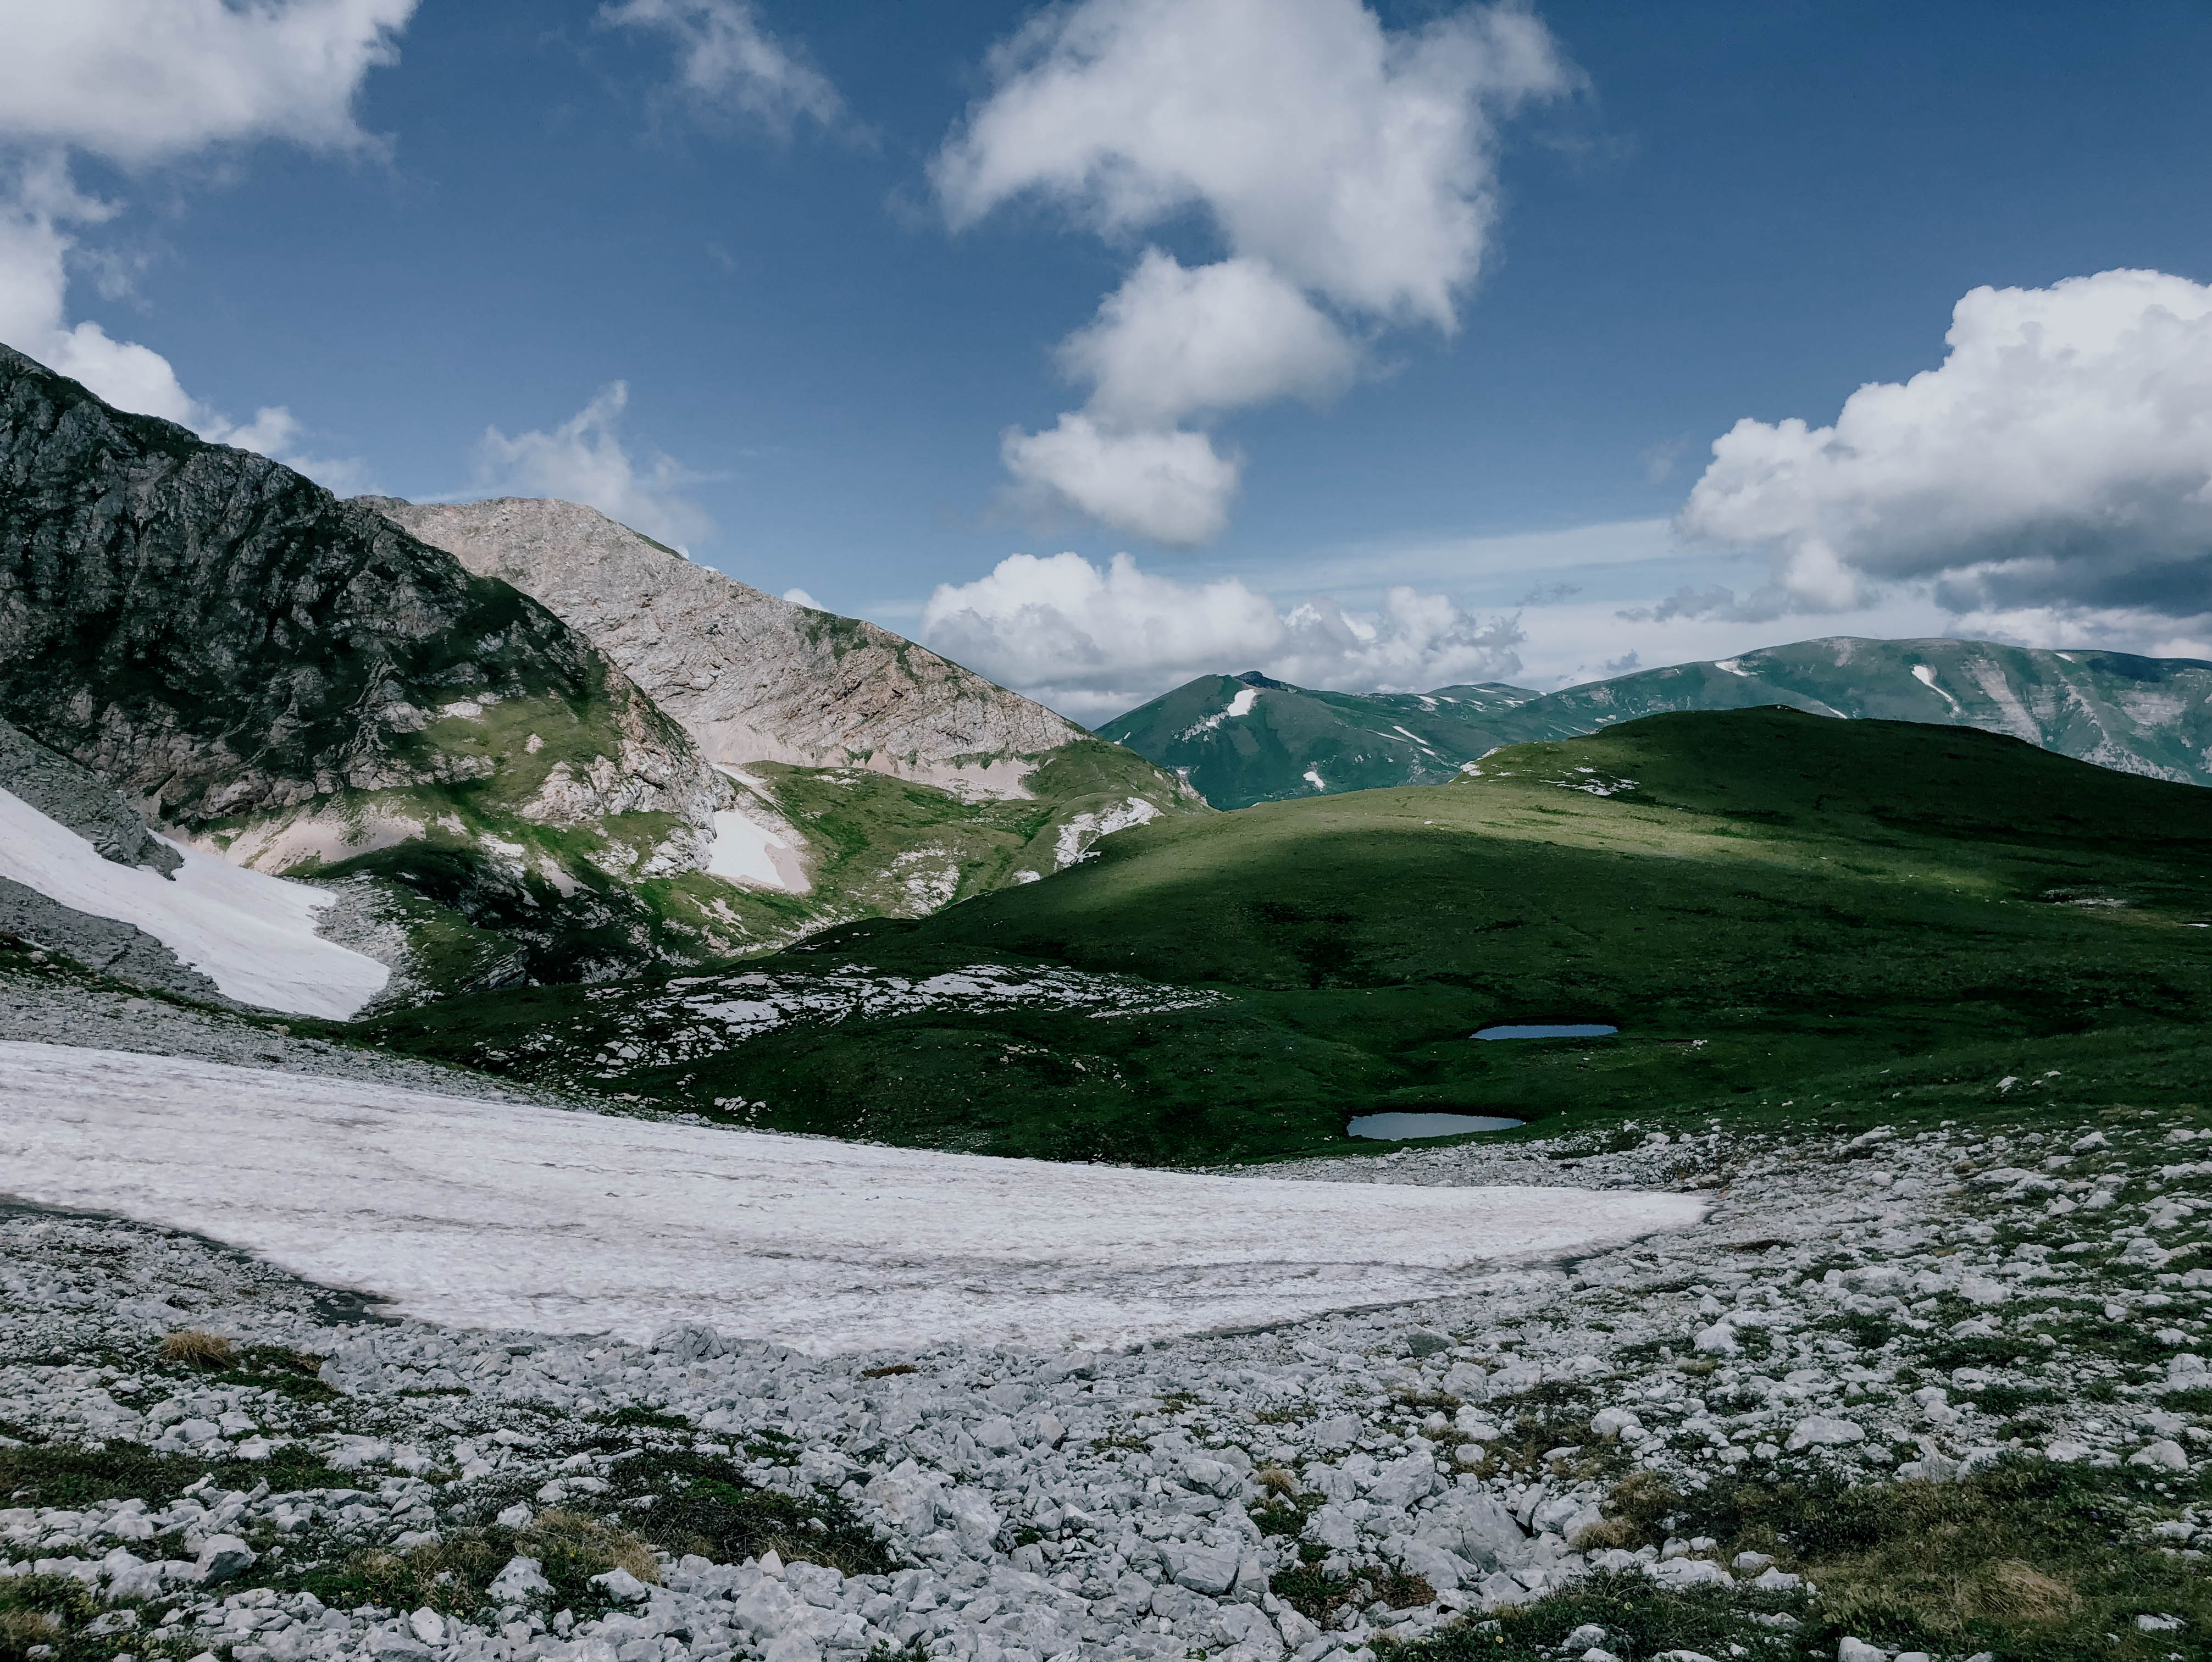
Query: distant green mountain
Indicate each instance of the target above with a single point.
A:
(2146, 716)
(1238, 740)
(1772, 908)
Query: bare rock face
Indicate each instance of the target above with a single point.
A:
(751, 678)
(217, 636)
(298, 683)
(76, 797)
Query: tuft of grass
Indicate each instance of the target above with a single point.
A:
(450, 1575)
(1311, 1593)
(189, 1347)
(293, 1373)
(1276, 1481)
(687, 1502)
(2027, 1559)
(73, 1475)
(1641, 1619)
(36, 1610)
(646, 1419)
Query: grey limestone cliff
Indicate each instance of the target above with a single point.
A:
(752, 677)
(76, 797)
(295, 680)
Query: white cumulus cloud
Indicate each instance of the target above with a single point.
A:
(139, 82)
(2057, 466)
(1169, 484)
(1092, 642)
(142, 81)
(727, 61)
(1171, 342)
(1342, 165)
(584, 459)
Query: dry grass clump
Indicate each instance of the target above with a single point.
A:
(1636, 1511)
(570, 1536)
(21, 1630)
(1609, 1532)
(450, 1575)
(193, 1349)
(1947, 1583)
(37, 1611)
(1276, 1481)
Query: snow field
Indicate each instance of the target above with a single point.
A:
(745, 851)
(252, 934)
(489, 1214)
(754, 850)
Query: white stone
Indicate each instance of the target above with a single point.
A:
(224, 1558)
(620, 1586)
(523, 1580)
(1208, 1570)
(1612, 1424)
(1718, 1340)
(1824, 1431)
(2164, 1453)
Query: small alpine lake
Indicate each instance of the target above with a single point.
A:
(1402, 1127)
(1586, 1030)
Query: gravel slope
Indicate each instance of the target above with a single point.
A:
(1855, 1309)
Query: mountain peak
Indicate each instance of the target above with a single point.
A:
(751, 677)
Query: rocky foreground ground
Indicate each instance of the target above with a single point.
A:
(1934, 1387)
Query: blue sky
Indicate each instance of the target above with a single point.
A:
(1705, 213)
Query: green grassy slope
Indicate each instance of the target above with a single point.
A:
(1761, 900)
(879, 846)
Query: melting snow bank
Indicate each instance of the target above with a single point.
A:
(484, 1214)
(252, 934)
(757, 847)
(1079, 832)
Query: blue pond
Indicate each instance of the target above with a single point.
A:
(1588, 1030)
(1397, 1128)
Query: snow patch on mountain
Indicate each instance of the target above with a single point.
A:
(1240, 705)
(1079, 830)
(497, 1214)
(252, 934)
(1926, 677)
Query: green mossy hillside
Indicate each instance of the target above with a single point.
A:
(1774, 909)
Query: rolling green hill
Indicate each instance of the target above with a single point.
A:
(1760, 900)
(2146, 715)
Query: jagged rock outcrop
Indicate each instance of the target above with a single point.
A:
(751, 678)
(78, 798)
(296, 681)
(121, 951)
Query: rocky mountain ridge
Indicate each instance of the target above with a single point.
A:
(304, 687)
(874, 777)
(1238, 740)
(750, 677)
(293, 681)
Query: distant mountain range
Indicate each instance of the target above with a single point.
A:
(1245, 739)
